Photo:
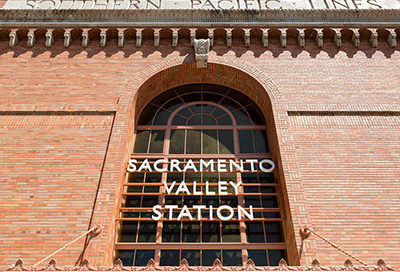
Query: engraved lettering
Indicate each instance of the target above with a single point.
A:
(338, 4)
(226, 4)
(153, 4)
(134, 4)
(273, 4)
(374, 4)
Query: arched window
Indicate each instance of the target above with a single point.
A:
(194, 122)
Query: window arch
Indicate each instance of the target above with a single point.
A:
(193, 122)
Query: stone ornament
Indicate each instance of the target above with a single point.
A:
(201, 51)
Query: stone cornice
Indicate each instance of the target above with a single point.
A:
(217, 266)
(200, 18)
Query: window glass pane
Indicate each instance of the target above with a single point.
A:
(241, 117)
(147, 231)
(209, 121)
(194, 121)
(210, 141)
(245, 141)
(136, 177)
(274, 232)
(146, 116)
(190, 232)
(192, 256)
(161, 117)
(266, 177)
(255, 232)
(259, 256)
(209, 256)
(141, 141)
(232, 257)
(173, 104)
(193, 142)
(179, 121)
(210, 232)
(256, 114)
(192, 97)
(195, 108)
(249, 177)
(157, 141)
(230, 232)
(224, 120)
(190, 201)
(272, 215)
(225, 142)
(177, 142)
(128, 231)
(173, 200)
(132, 201)
(143, 257)
(252, 201)
(171, 232)
(169, 258)
(260, 138)
(149, 201)
(218, 112)
(152, 178)
(126, 256)
(275, 255)
(269, 201)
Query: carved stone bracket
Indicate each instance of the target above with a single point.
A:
(201, 50)
(103, 38)
(49, 38)
(319, 38)
(157, 37)
(31, 38)
(85, 38)
(67, 38)
(121, 37)
(355, 39)
(283, 38)
(373, 39)
(13, 38)
(301, 38)
(264, 37)
(139, 37)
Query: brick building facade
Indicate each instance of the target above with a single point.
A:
(69, 112)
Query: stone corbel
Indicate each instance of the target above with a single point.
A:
(192, 36)
(85, 38)
(355, 39)
(67, 38)
(211, 36)
(139, 37)
(301, 37)
(13, 38)
(337, 39)
(247, 37)
(264, 37)
(31, 38)
(121, 37)
(175, 37)
(49, 38)
(228, 37)
(283, 38)
(103, 38)
(156, 37)
(391, 40)
(373, 39)
(319, 38)
(201, 51)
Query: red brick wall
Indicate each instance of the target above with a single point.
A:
(318, 152)
(50, 165)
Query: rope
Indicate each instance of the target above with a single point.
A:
(95, 229)
(334, 246)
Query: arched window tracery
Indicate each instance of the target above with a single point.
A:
(201, 121)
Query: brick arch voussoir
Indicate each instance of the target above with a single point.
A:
(238, 75)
